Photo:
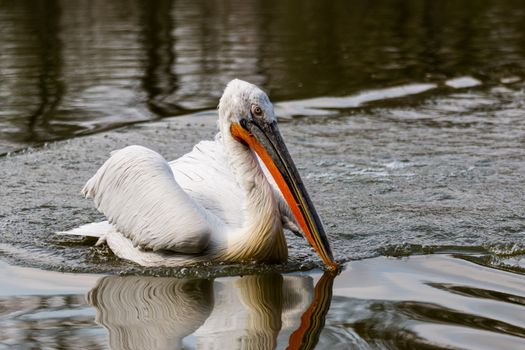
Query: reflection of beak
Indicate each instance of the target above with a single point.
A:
(312, 321)
(265, 139)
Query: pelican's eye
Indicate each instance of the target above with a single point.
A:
(257, 111)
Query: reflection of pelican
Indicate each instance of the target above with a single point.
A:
(312, 321)
(149, 312)
(226, 200)
(251, 312)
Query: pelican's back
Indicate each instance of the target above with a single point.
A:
(205, 175)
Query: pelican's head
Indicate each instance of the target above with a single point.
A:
(241, 100)
(247, 113)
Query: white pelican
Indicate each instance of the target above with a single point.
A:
(227, 200)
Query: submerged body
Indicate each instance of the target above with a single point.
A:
(227, 200)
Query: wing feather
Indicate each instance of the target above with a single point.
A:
(136, 190)
(205, 175)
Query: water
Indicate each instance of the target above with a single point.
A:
(77, 67)
(376, 303)
(404, 118)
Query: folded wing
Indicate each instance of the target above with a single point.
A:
(136, 190)
(205, 175)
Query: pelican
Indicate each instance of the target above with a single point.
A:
(227, 200)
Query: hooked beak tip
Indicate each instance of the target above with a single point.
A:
(333, 266)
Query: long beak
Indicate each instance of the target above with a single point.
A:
(265, 139)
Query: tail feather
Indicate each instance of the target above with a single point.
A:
(95, 229)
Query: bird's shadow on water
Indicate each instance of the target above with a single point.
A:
(264, 311)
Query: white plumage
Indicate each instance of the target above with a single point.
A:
(137, 192)
(215, 203)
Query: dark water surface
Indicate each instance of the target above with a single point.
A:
(406, 120)
(76, 67)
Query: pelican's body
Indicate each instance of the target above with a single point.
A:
(226, 200)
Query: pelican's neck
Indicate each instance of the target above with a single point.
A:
(261, 235)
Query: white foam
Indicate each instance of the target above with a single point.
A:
(462, 82)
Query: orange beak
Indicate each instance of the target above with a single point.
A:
(265, 139)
